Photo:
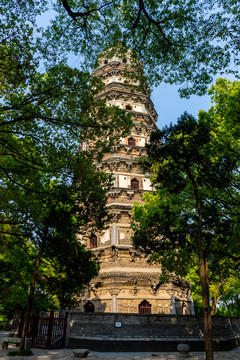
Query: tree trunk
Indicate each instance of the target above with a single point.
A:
(30, 297)
(207, 318)
(33, 281)
(216, 299)
(203, 272)
(214, 307)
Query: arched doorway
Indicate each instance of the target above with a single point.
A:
(128, 107)
(134, 184)
(145, 307)
(93, 241)
(131, 142)
(89, 307)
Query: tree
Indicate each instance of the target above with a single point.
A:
(16, 266)
(194, 210)
(229, 305)
(50, 188)
(223, 285)
(45, 174)
(185, 43)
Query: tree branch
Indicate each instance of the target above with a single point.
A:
(85, 14)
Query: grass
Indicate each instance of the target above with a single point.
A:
(20, 353)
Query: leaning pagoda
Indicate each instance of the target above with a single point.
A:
(127, 283)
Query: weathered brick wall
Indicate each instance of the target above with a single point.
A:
(101, 331)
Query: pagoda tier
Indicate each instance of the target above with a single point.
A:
(127, 282)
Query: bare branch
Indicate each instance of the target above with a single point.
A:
(85, 14)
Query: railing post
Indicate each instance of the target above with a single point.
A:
(50, 328)
(64, 329)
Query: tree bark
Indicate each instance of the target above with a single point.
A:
(216, 299)
(30, 296)
(33, 281)
(203, 272)
(207, 317)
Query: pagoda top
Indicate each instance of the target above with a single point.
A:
(121, 57)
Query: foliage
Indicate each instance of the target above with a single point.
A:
(210, 146)
(194, 211)
(16, 267)
(229, 304)
(50, 189)
(181, 42)
(197, 145)
(41, 125)
(223, 288)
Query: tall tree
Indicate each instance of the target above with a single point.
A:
(50, 189)
(43, 169)
(194, 210)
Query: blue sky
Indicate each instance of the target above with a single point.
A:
(170, 106)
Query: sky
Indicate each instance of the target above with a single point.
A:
(170, 106)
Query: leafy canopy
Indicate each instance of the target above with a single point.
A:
(181, 42)
(194, 211)
(195, 166)
(50, 190)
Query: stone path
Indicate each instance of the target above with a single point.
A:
(39, 354)
(67, 354)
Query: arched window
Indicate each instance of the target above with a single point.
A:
(128, 107)
(93, 241)
(134, 184)
(89, 307)
(131, 142)
(124, 60)
(105, 61)
(145, 307)
(184, 308)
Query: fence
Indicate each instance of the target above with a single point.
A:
(47, 330)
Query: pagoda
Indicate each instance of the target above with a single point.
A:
(127, 282)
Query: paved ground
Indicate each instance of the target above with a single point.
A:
(67, 354)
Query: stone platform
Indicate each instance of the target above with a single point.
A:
(145, 333)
